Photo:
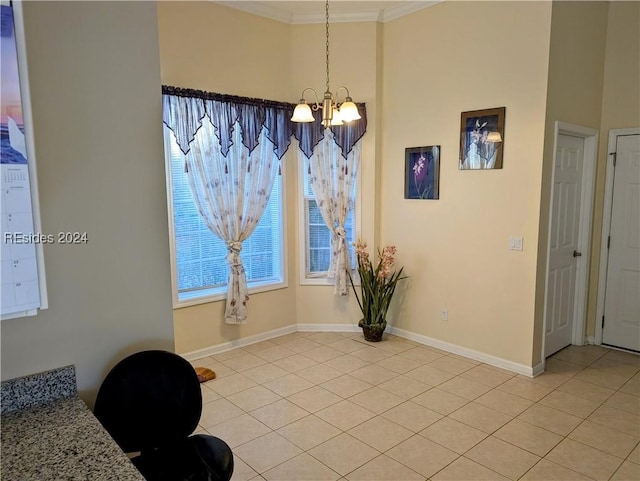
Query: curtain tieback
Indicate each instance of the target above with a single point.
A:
(233, 255)
(340, 238)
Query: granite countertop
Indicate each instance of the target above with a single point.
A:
(60, 439)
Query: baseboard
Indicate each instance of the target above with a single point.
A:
(538, 369)
(328, 328)
(419, 338)
(245, 341)
(465, 352)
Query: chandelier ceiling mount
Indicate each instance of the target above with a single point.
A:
(333, 111)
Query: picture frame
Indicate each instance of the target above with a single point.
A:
(422, 173)
(481, 139)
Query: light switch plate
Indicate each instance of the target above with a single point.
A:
(515, 243)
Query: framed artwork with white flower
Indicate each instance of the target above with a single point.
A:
(422, 172)
(481, 139)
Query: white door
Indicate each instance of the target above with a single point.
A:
(622, 296)
(564, 254)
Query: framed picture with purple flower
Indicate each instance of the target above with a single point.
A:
(422, 172)
(481, 139)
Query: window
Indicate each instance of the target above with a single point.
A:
(317, 238)
(199, 257)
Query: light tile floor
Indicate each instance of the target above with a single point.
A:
(330, 406)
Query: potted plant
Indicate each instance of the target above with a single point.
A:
(377, 287)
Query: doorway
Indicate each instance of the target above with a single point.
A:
(569, 236)
(618, 299)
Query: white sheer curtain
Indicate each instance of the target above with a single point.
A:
(233, 146)
(231, 192)
(332, 178)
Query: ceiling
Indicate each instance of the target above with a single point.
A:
(297, 12)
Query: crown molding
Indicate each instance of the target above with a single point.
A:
(259, 8)
(406, 8)
(382, 15)
(340, 17)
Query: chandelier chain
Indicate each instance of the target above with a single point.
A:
(333, 113)
(327, 45)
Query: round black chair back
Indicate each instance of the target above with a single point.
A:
(149, 400)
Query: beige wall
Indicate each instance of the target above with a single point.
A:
(620, 109)
(423, 73)
(574, 95)
(621, 95)
(210, 47)
(276, 61)
(219, 49)
(355, 63)
(95, 90)
(543, 61)
(439, 62)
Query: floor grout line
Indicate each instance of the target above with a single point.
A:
(453, 366)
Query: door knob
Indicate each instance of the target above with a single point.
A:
(577, 254)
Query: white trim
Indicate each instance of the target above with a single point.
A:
(167, 134)
(374, 15)
(590, 137)
(419, 338)
(261, 9)
(321, 280)
(220, 293)
(328, 328)
(538, 368)
(264, 9)
(303, 279)
(284, 237)
(606, 227)
(406, 8)
(242, 342)
(469, 353)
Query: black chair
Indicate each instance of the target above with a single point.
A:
(151, 402)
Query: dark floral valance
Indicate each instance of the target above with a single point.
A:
(185, 109)
(346, 135)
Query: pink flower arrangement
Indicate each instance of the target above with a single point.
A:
(377, 285)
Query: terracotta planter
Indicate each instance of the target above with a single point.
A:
(372, 332)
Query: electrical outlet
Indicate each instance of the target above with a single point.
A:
(444, 314)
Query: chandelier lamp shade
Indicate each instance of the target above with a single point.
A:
(334, 112)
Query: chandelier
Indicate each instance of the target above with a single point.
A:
(333, 112)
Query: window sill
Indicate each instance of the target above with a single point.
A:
(220, 294)
(321, 280)
(316, 281)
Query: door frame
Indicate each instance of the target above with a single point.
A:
(606, 227)
(590, 137)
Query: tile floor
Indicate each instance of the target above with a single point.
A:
(330, 406)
